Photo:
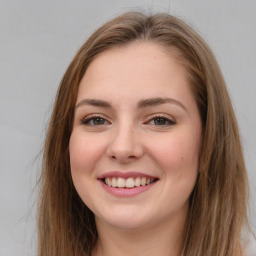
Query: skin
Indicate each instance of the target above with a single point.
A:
(128, 138)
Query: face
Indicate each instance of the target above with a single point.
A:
(136, 137)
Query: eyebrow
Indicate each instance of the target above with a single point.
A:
(150, 102)
(94, 102)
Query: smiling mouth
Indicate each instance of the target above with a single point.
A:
(131, 182)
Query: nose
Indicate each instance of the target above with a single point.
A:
(125, 145)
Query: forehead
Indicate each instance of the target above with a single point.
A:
(141, 67)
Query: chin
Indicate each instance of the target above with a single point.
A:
(126, 219)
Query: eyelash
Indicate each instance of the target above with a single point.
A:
(168, 122)
(87, 121)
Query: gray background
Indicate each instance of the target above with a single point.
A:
(38, 40)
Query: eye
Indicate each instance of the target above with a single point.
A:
(161, 121)
(94, 121)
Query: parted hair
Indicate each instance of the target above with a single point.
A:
(218, 204)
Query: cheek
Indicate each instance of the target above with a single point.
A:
(177, 152)
(84, 152)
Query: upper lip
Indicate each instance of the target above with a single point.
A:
(125, 175)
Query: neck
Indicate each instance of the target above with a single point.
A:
(161, 239)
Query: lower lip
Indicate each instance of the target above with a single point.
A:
(127, 192)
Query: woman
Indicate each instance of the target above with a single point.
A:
(143, 155)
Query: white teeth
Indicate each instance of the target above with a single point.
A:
(114, 182)
(120, 182)
(137, 182)
(108, 181)
(128, 183)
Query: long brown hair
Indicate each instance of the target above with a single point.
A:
(218, 203)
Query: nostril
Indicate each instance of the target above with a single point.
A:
(128, 157)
